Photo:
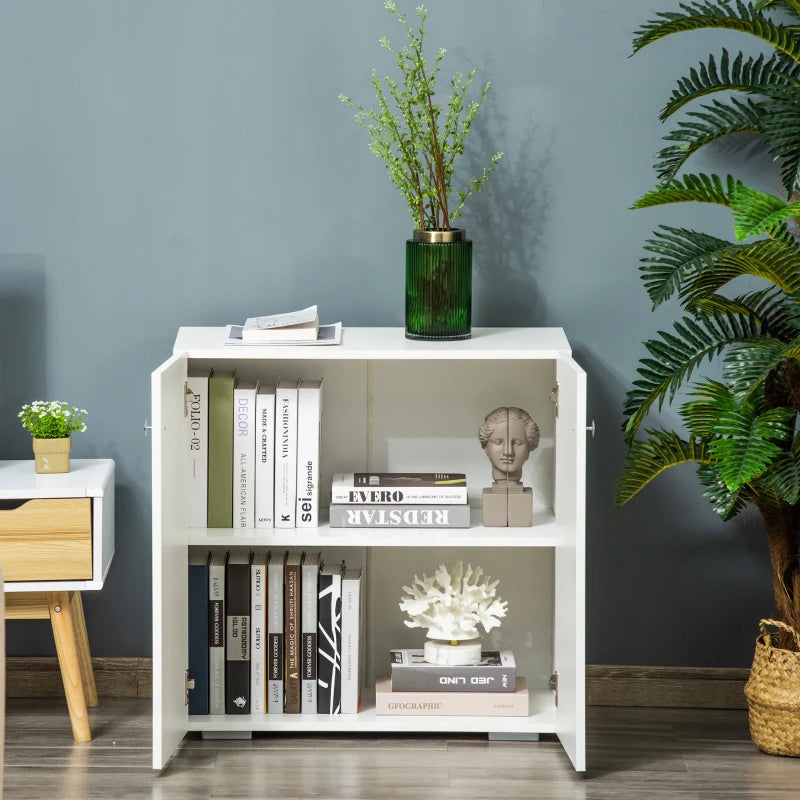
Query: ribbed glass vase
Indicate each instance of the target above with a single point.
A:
(439, 285)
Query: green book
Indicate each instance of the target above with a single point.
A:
(220, 450)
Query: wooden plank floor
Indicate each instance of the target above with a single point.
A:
(634, 754)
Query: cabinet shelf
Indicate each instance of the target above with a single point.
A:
(395, 405)
(543, 533)
(541, 720)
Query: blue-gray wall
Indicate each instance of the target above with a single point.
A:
(187, 162)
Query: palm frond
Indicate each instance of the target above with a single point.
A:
(754, 75)
(674, 357)
(747, 367)
(720, 14)
(791, 6)
(748, 441)
(781, 128)
(757, 212)
(783, 477)
(648, 458)
(775, 261)
(727, 504)
(700, 128)
(700, 415)
(678, 253)
(691, 189)
(770, 307)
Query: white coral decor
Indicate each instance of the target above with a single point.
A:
(451, 607)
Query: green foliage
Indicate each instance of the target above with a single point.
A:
(52, 420)
(417, 138)
(741, 428)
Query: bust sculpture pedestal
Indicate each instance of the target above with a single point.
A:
(508, 507)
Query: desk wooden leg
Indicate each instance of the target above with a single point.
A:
(61, 618)
(85, 656)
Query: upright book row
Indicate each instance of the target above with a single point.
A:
(253, 451)
(273, 633)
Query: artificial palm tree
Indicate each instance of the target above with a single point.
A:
(740, 430)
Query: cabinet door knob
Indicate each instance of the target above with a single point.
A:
(591, 429)
(147, 428)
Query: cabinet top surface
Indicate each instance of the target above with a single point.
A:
(87, 477)
(385, 343)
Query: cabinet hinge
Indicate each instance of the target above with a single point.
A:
(188, 685)
(552, 684)
(554, 397)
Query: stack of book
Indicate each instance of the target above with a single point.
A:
(399, 500)
(273, 633)
(416, 688)
(253, 451)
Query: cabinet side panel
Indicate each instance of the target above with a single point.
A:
(170, 560)
(570, 561)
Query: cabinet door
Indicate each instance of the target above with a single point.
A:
(569, 655)
(170, 560)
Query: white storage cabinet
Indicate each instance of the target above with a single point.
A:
(390, 405)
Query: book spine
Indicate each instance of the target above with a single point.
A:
(285, 455)
(220, 451)
(476, 678)
(265, 460)
(329, 644)
(351, 628)
(451, 704)
(258, 639)
(198, 638)
(309, 409)
(403, 516)
(244, 451)
(291, 604)
(405, 495)
(216, 638)
(197, 442)
(237, 639)
(275, 636)
(308, 617)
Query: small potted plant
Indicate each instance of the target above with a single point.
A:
(419, 139)
(50, 424)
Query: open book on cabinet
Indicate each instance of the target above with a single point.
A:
(391, 404)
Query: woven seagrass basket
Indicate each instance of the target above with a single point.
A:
(773, 694)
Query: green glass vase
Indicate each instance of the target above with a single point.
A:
(439, 285)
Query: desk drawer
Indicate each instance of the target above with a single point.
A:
(46, 540)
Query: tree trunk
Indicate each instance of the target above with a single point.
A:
(783, 540)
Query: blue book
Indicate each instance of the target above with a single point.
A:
(198, 632)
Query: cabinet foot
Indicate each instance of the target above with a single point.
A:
(513, 737)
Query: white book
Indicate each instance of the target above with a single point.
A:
(216, 633)
(351, 640)
(285, 453)
(265, 457)
(309, 417)
(258, 634)
(309, 590)
(197, 445)
(244, 454)
(275, 665)
(293, 326)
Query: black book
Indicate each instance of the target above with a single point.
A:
(329, 641)
(237, 633)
